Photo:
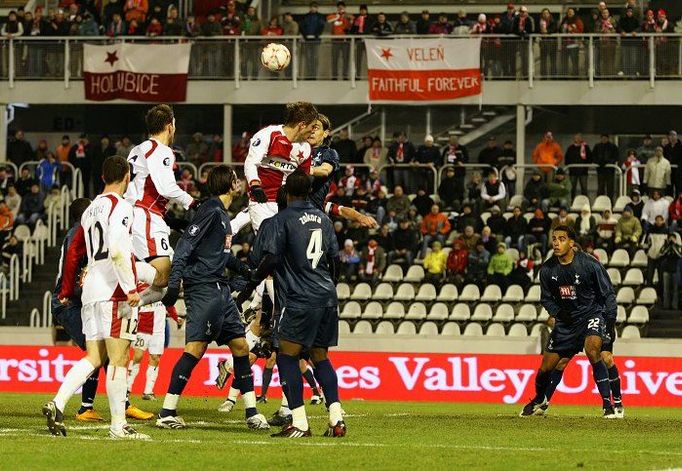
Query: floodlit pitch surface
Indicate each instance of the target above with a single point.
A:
(381, 435)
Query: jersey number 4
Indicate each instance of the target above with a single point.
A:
(314, 251)
(101, 254)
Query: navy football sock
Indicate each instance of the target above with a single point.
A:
(326, 376)
(541, 382)
(179, 377)
(614, 383)
(310, 379)
(89, 391)
(243, 380)
(291, 379)
(601, 377)
(554, 380)
(267, 377)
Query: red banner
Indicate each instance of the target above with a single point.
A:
(423, 85)
(507, 379)
(137, 87)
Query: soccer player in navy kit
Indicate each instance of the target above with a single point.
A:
(578, 294)
(200, 259)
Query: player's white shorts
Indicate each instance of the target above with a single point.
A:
(151, 235)
(259, 212)
(101, 321)
(151, 329)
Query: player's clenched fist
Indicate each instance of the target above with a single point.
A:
(258, 194)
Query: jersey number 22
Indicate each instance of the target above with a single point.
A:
(314, 251)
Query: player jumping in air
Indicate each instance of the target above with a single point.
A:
(577, 292)
(202, 255)
(110, 281)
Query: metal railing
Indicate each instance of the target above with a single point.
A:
(627, 170)
(14, 275)
(47, 309)
(33, 165)
(587, 57)
(4, 291)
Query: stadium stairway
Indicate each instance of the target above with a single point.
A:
(664, 323)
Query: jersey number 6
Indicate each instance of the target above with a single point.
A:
(314, 251)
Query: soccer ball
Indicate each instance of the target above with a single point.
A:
(275, 57)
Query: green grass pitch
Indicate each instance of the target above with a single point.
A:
(381, 435)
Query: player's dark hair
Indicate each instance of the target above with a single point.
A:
(114, 169)
(300, 112)
(326, 125)
(570, 232)
(282, 198)
(298, 184)
(158, 118)
(78, 207)
(220, 180)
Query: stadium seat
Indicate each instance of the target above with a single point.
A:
(516, 200)
(492, 294)
(621, 202)
(626, 295)
(544, 315)
(619, 258)
(438, 312)
(537, 329)
(362, 292)
(448, 293)
(460, 312)
(473, 329)
(518, 330)
(394, 274)
(602, 256)
(482, 312)
(614, 274)
(407, 328)
(504, 313)
(514, 294)
(621, 316)
(427, 293)
(630, 332)
(385, 328)
(395, 310)
(633, 277)
(450, 328)
(22, 232)
(373, 310)
(640, 259)
(507, 216)
(528, 313)
(342, 291)
(470, 293)
(533, 295)
(344, 328)
(351, 310)
(235, 249)
(639, 315)
(484, 216)
(601, 204)
(363, 327)
(528, 216)
(495, 330)
(647, 296)
(513, 253)
(578, 202)
(383, 292)
(417, 312)
(428, 328)
(405, 293)
(415, 274)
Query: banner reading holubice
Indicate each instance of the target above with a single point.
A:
(139, 72)
(438, 69)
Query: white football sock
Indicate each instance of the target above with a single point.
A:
(270, 285)
(257, 296)
(116, 392)
(170, 402)
(299, 419)
(284, 406)
(233, 394)
(335, 413)
(251, 339)
(249, 399)
(74, 379)
(152, 374)
(133, 370)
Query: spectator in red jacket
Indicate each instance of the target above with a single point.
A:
(675, 212)
(458, 260)
(435, 226)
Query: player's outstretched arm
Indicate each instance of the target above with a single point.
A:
(322, 171)
(72, 258)
(350, 214)
(161, 172)
(121, 249)
(258, 149)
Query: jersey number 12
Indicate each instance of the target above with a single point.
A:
(314, 251)
(101, 254)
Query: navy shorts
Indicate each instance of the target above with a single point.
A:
(314, 327)
(212, 315)
(569, 339)
(69, 317)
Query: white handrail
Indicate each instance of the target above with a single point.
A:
(66, 203)
(40, 242)
(47, 308)
(14, 277)
(3, 294)
(34, 321)
(27, 261)
(52, 221)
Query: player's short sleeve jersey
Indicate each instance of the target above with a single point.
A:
(273, 157)
(110, 271)
(303, 238)
(580, 289)
(152, 181)
(321, 186)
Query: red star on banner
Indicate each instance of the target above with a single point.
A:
(386, 53)
(111, 58)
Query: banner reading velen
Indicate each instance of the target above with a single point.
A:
(433, 69)
(139, 72)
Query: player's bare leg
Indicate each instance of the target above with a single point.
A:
(614, 383)
(542, 378)
(326, 376)
(292, 386)
(155, 273)
(243, 380)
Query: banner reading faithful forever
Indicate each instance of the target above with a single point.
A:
(139, 72)
(437, 69)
